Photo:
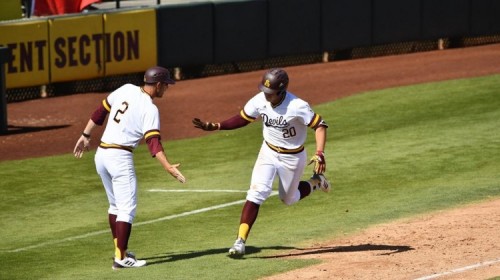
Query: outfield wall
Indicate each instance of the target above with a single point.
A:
(78, 47)
(101, 44)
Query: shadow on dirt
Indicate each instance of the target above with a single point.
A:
(344, 249)
(172, 257)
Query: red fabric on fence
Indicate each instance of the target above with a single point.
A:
(59, 7)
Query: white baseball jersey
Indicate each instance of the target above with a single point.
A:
(284, 125)
(132, 114)
(282, 154)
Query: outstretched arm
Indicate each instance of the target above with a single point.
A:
(156, 149)
(232, 123)
(207, 126)
(170, 168)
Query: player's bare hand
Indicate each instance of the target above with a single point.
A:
(82, 145)
(176, 173)
(319, 162)
(208, 126)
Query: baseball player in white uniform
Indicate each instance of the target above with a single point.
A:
(285, 119)
(132, 116)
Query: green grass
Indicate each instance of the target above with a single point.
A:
(391, 154)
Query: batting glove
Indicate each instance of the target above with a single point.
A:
(319, 162)
(208, 126)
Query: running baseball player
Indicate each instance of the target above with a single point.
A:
(132, 116)
(285, 119)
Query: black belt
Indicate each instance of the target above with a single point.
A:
(284, 150)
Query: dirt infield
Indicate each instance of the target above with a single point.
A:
(457, 244)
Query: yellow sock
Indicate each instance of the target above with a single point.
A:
(243, 231)
(118, 253)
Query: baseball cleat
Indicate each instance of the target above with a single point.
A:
(128, 262)
(238, 247)
(323, 183)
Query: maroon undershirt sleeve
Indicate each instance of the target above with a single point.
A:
(234, 122)
(99, 115)
(154, 145)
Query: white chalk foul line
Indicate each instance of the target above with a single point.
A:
(189, 213)
(201, 191)
(43, 244)
(461, 269)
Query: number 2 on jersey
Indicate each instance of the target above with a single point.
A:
(120, 111)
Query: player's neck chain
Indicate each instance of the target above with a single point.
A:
(143, 91)
(279, 102)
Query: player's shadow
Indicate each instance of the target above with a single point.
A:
(14, 129)
(172, 257)
(388, 250)
(249, 250)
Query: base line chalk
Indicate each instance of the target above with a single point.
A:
(461, 269)
(90, 234)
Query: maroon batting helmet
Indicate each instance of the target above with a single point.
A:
(274, 80)
(158, 74)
